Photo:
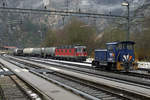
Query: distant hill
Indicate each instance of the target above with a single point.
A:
(27, 30)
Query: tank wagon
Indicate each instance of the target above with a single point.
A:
(36, 52)
(18, 52)
(28, 52)
(48, 52)
(118, 56)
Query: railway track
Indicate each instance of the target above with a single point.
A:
(122, 93)
(50, 91)
(88, 89)
(85, 88)
(139, 73)
(131, 76)
(12, 88)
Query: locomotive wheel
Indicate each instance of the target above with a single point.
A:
(109, 66)
(95, 64)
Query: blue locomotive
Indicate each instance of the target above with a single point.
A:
(118, 56)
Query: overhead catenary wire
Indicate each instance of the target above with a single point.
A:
(57, 12)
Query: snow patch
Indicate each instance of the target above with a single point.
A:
(144, 65)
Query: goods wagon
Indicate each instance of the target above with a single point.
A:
(48, 52)
(28, 51)
(18, 52)
(37, 52)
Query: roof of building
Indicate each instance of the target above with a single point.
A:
(10, 47)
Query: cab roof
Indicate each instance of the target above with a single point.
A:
(70, 46)
(129, 42)
(122, 42)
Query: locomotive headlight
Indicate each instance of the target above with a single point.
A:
(112, 54)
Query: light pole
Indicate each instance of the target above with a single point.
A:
(128, 18)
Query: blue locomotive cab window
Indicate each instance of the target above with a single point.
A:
(110, 47)
(119, 46)
(126, 46)
(130, 47)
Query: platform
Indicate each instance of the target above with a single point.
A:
(53, 91)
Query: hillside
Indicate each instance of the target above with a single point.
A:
(27, 30)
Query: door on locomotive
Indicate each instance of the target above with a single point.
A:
(126, 57)
(112, 52)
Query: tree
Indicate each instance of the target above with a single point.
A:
(75, 32)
